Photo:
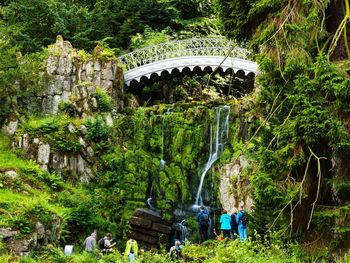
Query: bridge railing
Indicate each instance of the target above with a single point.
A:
(182, 48)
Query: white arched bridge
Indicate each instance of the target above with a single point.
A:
(186, 56)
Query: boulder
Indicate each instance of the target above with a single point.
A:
(11, 127)
(147, 226)
(150, 215)
(7, 232)
(12, 175)
(142, 237)
(143, 230)
(161, 228)
(43, 154)
(22, 246)
(137, 221)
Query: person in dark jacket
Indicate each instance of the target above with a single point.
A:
(242, 224)
(234, 226)
(225, 221)
(203, 224)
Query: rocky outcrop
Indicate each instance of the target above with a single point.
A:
(146, 227)
(74, 76)
(73, 163)
(234, 187)
(21, 245)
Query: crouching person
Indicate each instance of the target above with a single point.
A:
(106, 244)
(175, 251)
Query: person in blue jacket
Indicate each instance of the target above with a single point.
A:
(203, 224)
(225, 221)
(242, 222)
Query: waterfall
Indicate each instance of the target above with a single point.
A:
(162, 161)
(220, 128)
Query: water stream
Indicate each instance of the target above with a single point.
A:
(162, 161)
(220, 127)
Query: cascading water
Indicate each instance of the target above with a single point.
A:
(181, 232)
(162, 161)
(220, 127)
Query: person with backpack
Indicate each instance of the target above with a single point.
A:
(175, 251)
(225, 221)
(203, 224)
(242, 222)
(234, 226)
(131, 249)
(105, 244)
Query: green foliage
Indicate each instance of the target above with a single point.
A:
(104, 101)
(97, 129)
(234, 251)
(20, 76)
(66, 107)
(150, 37)
(55, 131)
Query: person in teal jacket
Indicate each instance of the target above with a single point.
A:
(242, 223)
(225, 221)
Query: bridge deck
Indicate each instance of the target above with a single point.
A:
(190, 53)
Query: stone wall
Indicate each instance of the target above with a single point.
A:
(147, 227)
(67, 70)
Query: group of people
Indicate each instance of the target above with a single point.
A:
(232, 225)
(107, 244)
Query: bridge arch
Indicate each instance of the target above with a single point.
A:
(186, 56)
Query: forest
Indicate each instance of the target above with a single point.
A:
(82, 151)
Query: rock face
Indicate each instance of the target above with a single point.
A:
(234, 187)
(74, 76)
(147, 226)
(22, 245)
(74, 163)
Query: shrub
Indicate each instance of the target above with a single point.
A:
(97, 129)
(104, 101)
(67, 107)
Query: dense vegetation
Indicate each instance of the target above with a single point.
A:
(297, 147)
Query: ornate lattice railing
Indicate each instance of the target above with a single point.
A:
(182, 48)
